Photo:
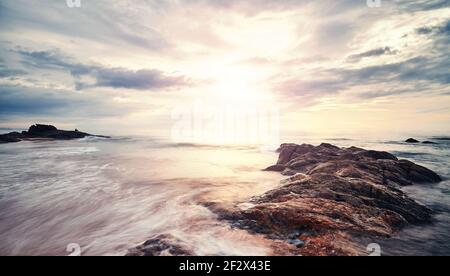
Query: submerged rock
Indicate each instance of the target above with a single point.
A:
(336, 197)
(162, 245)
(429, 142)
(39, 131)
(441, 138)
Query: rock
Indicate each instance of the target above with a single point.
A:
(411, 140)
(376, 154)
(297, 243)
(276, 168)
(162, 245)
(352, 162)
(418, 174)
(48, 131)
(12, 137)
(429, 143)
(41, 129)
(335, 197)
(442, 138)
(44, 132)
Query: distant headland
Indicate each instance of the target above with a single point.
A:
(47, 132)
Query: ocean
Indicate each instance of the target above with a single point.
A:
(109, 195)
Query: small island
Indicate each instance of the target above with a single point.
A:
(47, 132)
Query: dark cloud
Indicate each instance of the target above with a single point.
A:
(433, 69)
(440, 30)
(424, 30)
(104, 77)
(24, 101)
(16, 100)
(373, 53)
(46, 59)
(424, 72)
(6, 72)
(422, 5)
(445, 29)
(141, 79)
(427, 72)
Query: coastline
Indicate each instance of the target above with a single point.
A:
(331, 203)
(84, 165)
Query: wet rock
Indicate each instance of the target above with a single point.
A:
(39, 131)
(294, 235)
(336, 196)
(377, 166)
(12, 137)
(411, 140)
(376, 154)
(429, 142)
(442, 138)
(162, 245)
(297, 243)
(276, 168)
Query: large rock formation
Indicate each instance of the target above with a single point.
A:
(333, 200)
(39, 131)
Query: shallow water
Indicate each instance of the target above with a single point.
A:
(108, 195)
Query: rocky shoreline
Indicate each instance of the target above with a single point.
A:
(47, 132)
(334, 201)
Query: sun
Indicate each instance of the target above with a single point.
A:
(238, 84)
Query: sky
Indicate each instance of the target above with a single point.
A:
(132, 67)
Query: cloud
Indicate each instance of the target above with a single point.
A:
(424, 30)
(373, 53)
(251, 7)
(424, 72)
(140, 79)
(6, 72)
(256, 7)
(95, 21)
(422, 5)
(20, 100)
(299, 51)
(16, 100)
(145, 79)
(443, 29)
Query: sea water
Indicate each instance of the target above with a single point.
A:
(108, 195)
